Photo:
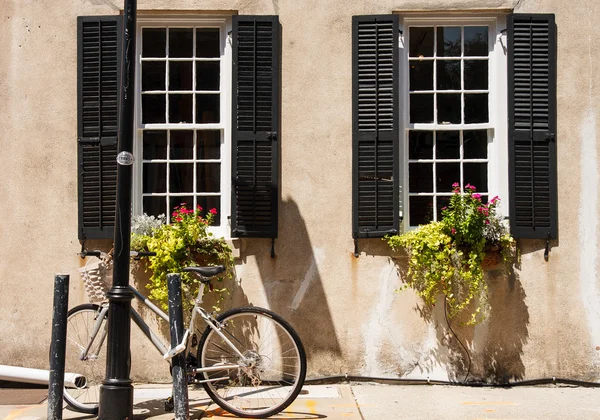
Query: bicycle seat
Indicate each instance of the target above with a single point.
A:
(206, 271)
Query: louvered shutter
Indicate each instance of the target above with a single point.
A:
(375, 126)
(98, 62)
(532, 126)
(256, 120)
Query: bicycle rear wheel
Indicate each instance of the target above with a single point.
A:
(81, 321)
(271, 372)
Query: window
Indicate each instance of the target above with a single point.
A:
(443, 99)
(452, 71)
(183, 116)
(207, 120)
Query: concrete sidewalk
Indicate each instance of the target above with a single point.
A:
(366, 401)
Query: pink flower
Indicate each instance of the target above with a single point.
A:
(456, 185)
(487, 222)
(494, 200)
(213, 211)
(477, 196)
(174, 214)
(470, 187)
(453, 231)
(199, 207)
(178, 219)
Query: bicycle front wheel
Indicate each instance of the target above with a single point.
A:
(83, 395)
(267, 371)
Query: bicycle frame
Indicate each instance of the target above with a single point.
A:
(155, 340)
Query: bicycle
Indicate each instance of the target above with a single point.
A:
(249, 360)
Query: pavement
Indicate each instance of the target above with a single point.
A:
(357, 401)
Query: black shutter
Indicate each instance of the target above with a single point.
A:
(98, 64)
(532, 126)
(255, 131)
(375, 126)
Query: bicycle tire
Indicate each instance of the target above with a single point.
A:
(80, 323)
(276, 365)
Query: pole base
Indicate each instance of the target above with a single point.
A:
(116, 402)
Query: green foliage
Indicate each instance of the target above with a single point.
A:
(446, 257)
(185, 242)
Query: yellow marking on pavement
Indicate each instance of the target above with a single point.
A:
(489, 410)
(311, 405)
(14, 414)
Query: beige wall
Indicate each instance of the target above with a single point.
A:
(545, 321)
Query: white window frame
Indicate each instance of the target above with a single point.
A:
(224, 23)
(498, 109)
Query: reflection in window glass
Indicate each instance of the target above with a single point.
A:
(448, 108)
(420, 145)
(447, 145)
(448, 75)
(448, 41)
(476, 41)
(180, 75)
(421, 42)
(420, 210)
(421, 75)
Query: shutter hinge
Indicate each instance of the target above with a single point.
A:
(356, 253)
(550, 136)
(272, 247)
(272, 135)
(547, 250)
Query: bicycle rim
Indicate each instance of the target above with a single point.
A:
(80, 324)
(271, 373)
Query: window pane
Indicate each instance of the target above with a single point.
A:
(448, 41)
(421, 75)
(182, 144)
(207, 42)
(155, 144)
(446, 175)
(448, 108)
(476, 74)
(447, 145)
(420, 145)
(181, 177)
(476, 41)
(208, 109)
(154, 41)
(209, 144)
(420, 177)
(181, 42)
(476, 174)
(208, 75)
(475, 144)
(448, 75)
(476, 108)
(208, 177)
(421, 42)
(153, 109)
(180, 108)
(420, 210)
(155, 177)
(179, 200)
(440, 203)
(421, 108)
(153, 75)
(211, 202)
(154, 206)
(180, 75)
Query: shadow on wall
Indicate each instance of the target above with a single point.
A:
(293, 286)
(495, 346)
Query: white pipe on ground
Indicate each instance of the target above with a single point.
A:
(38, 376)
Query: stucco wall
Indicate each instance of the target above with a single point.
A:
(545, 320)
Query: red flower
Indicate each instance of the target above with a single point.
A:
(213, 211)
(199, 207)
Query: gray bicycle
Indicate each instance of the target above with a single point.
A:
(249, 360)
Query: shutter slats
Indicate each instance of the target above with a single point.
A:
(532, 126)
(255, 192)
(98, 72)
(375, 126)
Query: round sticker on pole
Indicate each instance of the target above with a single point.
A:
(125, 158)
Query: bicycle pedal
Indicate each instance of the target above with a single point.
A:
(169, 406)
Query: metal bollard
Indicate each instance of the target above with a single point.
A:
(180, 390)
(57, 347)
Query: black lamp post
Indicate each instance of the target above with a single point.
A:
(116, 392)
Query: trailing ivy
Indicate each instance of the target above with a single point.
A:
(446, 257)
